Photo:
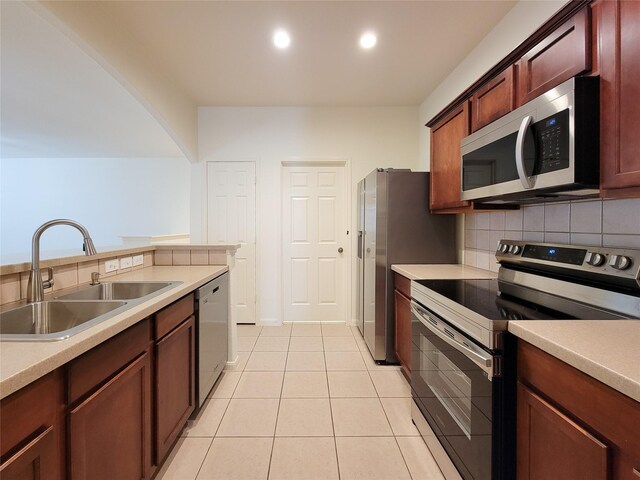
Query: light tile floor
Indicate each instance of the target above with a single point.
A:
(305, 402)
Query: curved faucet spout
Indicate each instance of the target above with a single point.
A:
(35, 288)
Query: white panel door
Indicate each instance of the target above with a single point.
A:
(231, 218)
(314, 218)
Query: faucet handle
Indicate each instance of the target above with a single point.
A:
(95, 278)
(48, 283)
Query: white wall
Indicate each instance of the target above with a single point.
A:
(121, 56)
(516, 26)
(368, 137)
(109, 196)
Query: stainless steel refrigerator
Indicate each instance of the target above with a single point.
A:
(394, 227)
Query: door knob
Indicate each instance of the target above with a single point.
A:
(340, 250)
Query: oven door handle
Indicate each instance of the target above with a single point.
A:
(485, 362)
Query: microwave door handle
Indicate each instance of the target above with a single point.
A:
(527, 181)
(484, 362)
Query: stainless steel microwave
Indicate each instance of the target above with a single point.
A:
(545, 150)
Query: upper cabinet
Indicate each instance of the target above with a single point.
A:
(584, 38)
(445, 159)
(565, 53)
(619, 98)
(494, 99)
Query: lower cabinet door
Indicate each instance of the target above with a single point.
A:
(38, 460)
(402, 309)
(110, 432)
(175, 383)
(551, 445)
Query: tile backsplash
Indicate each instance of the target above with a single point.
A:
(607, 223)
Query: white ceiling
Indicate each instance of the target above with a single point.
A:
(56, 101)
(220, 52)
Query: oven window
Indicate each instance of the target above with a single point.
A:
(455, 397)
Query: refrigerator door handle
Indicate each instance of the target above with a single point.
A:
(360, 242)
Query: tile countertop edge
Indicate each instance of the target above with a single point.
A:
(573, 342)
(18, 369)
(442, 271)
(109, 252)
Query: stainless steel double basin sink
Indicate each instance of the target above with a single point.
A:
(70, 313)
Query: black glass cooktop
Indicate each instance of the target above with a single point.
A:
(484, 298)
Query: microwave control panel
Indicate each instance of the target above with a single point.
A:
(552, 134)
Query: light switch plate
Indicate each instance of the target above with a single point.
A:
(126, 262)
(138, 260)
(110, 266)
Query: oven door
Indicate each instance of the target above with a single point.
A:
(458, 389)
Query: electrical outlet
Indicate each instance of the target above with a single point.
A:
(126, 262)
(111, 266)
(138, 260)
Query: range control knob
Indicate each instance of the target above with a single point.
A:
(620, 262)
(515, 249)
(504, 248)
(595, 259)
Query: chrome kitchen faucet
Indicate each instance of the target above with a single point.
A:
(36, 286)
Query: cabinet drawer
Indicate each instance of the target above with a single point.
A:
(402, 284)
(97, 365)
(170, 317)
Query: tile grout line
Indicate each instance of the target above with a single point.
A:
(333, 426)
(275, 427)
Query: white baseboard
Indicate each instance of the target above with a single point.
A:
(272, 322)
(233, 363)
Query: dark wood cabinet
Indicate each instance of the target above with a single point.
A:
(110, 431)
(570, 425)
(563, 54)
(402, 311)
(109, 420)
(175, 400)
(445, 184)
(619, 58)
(32, 444)
(551, 445)
(494, 99)
(114, 412)
(175, 384)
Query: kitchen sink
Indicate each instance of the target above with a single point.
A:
(55, 320)
(116, 291)
(75, 310)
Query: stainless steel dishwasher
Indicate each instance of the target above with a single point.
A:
(212, 310)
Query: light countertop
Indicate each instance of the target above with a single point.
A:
(23, 362)
(607, 350)
(442, 272)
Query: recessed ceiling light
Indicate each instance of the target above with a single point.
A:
(368, 40)
(281, 39)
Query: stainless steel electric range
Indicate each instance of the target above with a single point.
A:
(463, 375)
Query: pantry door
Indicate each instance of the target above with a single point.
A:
(315, 247)
(231, 218)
